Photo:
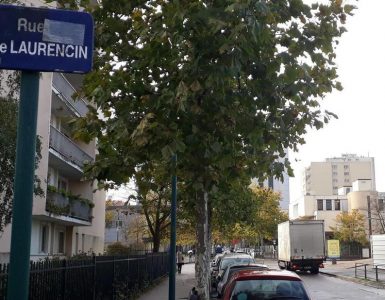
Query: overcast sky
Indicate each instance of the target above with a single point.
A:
(360, 106)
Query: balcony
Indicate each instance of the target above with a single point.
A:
(63, 204)
(67, 156)
(64, 91)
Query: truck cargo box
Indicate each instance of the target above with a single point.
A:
(302, 239)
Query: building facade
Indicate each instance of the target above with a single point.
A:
(69, 218)
(325, 178)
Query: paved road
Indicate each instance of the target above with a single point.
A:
(323, 287)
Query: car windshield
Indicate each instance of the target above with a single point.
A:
(235, 260)
(268, 289)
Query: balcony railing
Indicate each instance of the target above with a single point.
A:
(60, 204)
(66, 90)
(63, 145)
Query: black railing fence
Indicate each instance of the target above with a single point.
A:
(370, 272)
(93, 278)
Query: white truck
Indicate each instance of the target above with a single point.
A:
(301, 245)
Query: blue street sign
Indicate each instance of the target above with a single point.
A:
(39, 39)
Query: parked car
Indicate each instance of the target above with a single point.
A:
(230, 270)
(267, 284)
(228, 259)
(215, 265)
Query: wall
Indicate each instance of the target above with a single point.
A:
(43, 121)
(320, 178)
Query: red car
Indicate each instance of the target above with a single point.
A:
(266, 284)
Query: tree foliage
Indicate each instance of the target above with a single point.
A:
(260, 217)
(350, 227)
(8, 133)
(109, 214)
(154, 194)
(227, 85)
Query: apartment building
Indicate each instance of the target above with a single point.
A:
(324, 178)
(69, 219)
(280, 186)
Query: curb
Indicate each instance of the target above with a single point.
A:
(366, 282)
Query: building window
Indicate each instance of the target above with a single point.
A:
(381, 204)
(60, 248)
(335, 174)
(320, 204)
(346, 167)
(347, 180)
(346, 173)
(328, 204)
(337, 205)
(334, 167)
(44, 238)
(347, 190)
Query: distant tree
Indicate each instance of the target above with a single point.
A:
(135, 230)
(109, 214)
(154, 194)
(261, 217)
(350, 227)
(377, 215)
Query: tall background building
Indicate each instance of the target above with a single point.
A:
(324, 178)
(281, 187)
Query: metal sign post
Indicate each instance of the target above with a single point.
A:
(34, 40)
(18, 277)
(171, 277)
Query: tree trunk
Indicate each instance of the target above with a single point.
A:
(202, 263)
(156, 243)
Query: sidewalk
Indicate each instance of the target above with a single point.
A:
(346, 270)
(183, 284)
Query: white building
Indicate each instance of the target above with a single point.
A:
(357, 197)
(69, 219)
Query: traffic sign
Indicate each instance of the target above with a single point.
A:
(40, 39)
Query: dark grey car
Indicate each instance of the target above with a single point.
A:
(230, 270)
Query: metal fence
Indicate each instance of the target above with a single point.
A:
(351, 250)
(95, 278)
(370, 272)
